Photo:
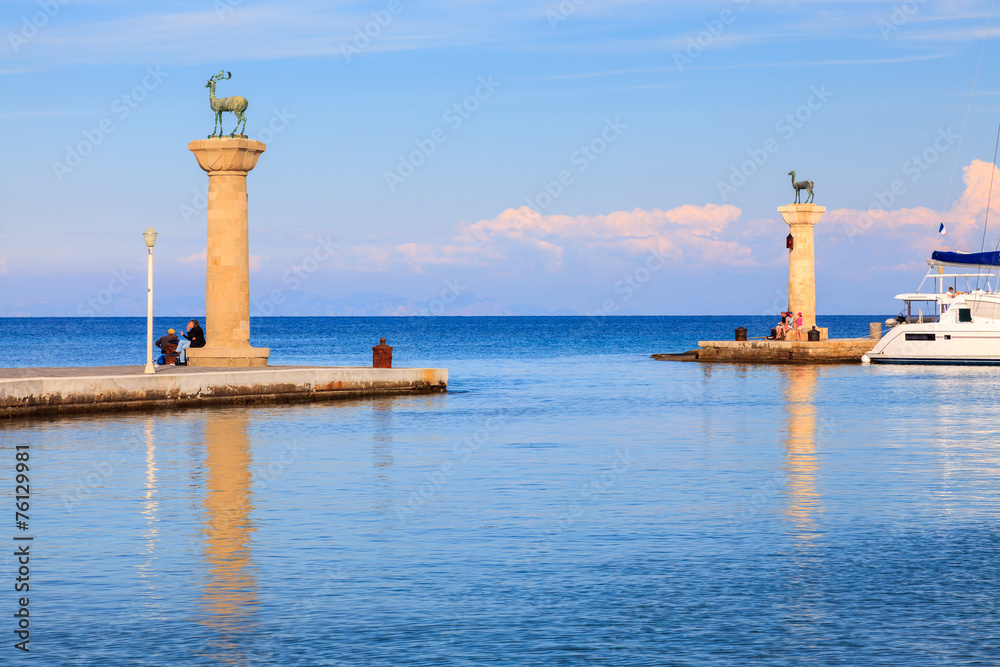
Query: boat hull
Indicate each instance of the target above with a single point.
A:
(960, 344)
(932, 361)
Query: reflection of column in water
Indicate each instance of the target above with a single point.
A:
(230, 595)
(800, 449)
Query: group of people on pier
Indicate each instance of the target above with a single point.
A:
(789, 323)
(171, 344)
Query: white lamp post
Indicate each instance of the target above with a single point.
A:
(150, 236)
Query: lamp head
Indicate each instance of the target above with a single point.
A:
(150, 236)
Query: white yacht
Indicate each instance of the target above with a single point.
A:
(961, 327)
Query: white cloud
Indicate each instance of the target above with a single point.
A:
(196, 257)
(525, 240)
(917, 227)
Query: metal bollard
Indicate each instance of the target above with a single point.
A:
(381, 355)
(741, 333)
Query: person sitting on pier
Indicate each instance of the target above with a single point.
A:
(194, 337)
(782, 329)
(168, 346)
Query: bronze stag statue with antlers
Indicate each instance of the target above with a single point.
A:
(799, 187)
(236, 104)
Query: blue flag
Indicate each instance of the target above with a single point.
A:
(941, 230)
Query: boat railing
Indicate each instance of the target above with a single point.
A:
(937, 273)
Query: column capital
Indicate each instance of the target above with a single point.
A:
(801, 214)
(232, 154)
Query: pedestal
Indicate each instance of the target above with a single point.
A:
(227, 282)
(802, 259)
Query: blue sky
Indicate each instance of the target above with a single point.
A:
(652, 139)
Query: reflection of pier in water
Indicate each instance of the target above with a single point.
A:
(230, 593)
(801, 463)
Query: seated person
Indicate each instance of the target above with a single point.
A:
(168, 346)
(194, 337)
(782, 329)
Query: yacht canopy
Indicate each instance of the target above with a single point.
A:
(966, 258)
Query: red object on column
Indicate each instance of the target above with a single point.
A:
(381, 355)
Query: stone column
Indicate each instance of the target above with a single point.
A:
(802, 259)
(227, 287)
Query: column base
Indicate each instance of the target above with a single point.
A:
(803, 333)
(228, 357)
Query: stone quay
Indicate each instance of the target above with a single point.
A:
(40, 392)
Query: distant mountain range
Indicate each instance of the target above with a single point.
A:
(283, 303)
(294, 302)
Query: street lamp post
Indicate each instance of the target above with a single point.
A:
(150, 236)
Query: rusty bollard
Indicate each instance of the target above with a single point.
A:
(381, 355)
(741, 333)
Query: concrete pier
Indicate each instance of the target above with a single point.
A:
(26, 392)
(836, 351)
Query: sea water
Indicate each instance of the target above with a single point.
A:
(568, 501)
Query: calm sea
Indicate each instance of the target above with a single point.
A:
(569, 501)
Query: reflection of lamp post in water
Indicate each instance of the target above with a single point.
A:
(150, 236)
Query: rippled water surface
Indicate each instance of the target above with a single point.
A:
(569, 501)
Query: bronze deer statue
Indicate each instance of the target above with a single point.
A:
(800, 186)
(236, 104)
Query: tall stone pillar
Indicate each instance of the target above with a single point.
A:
(802, 259)
(227, 290)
